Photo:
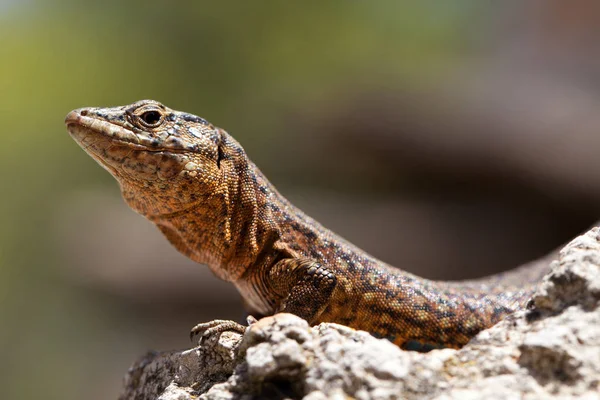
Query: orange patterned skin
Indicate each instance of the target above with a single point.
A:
(196, 184)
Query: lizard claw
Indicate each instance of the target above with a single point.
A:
(218, 326)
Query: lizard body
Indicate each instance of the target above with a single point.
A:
(195, 182)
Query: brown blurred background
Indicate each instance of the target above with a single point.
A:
(452, 139)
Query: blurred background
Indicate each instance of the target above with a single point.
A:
(451, 139)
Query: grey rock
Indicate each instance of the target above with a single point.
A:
(549, 351)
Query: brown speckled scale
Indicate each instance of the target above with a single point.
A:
(195, 182)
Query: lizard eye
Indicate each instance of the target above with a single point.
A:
(151, 118)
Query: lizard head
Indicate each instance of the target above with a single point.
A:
(166, 161)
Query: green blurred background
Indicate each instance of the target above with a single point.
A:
(452, 139)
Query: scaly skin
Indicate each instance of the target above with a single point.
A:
(195, 182)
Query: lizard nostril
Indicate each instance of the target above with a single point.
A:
(84, 113)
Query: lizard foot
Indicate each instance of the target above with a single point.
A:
(215, 327)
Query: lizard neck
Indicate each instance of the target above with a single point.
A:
(229, 229)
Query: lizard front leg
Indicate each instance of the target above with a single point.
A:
(303, 285)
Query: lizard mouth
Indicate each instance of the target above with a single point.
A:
(87, 130)
(123, 152)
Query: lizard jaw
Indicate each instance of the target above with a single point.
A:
(121, 151)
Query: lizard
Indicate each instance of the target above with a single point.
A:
(195, 182)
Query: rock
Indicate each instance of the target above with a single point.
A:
(551, 350)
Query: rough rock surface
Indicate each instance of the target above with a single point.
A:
(551, 350)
